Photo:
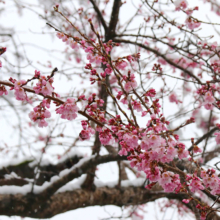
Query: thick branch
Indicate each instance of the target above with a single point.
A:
(77, 171)
(88, 183)
(24, 170)
(62, 202)
(114, 20)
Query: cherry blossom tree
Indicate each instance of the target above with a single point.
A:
(135, 83)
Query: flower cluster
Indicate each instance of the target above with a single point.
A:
(173, 98)
(209, 100)
(217, 139)
(3, 90)
(105, 136)
(207, 92)
(170, 181)
(130, 82)
(40, 113)
(215, 63)
(20, 93)
(87, 131)
(44, 85)
(211, 180)
(147, 149)
(137, 106)
(195, 183)
(192, 23)
(69, 41)
(68, 110)
(181, 4)
(94, 53)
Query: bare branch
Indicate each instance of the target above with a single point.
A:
(99, 15)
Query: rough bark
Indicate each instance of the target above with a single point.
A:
(110, 34)
(24, 170)
(32, 206)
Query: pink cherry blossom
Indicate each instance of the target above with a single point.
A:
(3, 90)
(137, 106)
(191, 23)
(108, 70)
(217, 138)
(173, 98)
(39, 114)
(122, 152)
(105, 136)
(130, 83)
(86, 134)
(209, 98)
(150, 93)
(196, 184)
(68, 110)
(181, 4)
(121, 65)
(211, 180)
(153, 174)
(20, 93)
(153, 141)
(130, 86)
(208, 106)
(169, 181)
(19, 83)
(182, 153)
(131, 140)
(171, 153)
(44, 86)
(87, 131)
(203, 215)
(196, 149)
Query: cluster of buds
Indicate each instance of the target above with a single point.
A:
(40, 113)
(44, 85)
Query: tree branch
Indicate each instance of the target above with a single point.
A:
(114, 20)
(62, 202)
(99, 15)
(160, 55)
(204, 137)
(29, 89)
(24, 170)
(79, 169)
